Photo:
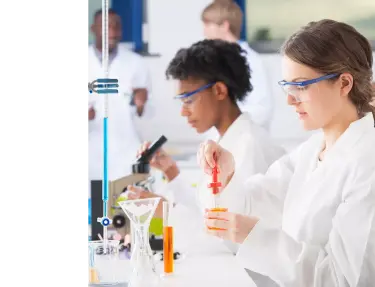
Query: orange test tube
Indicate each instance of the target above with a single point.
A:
(167, 241)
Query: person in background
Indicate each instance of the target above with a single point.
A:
(223, 20)
(213, 77)
(134, 90)
(321, 231)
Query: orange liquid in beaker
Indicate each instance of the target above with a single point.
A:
(168, 249)
(217, 209)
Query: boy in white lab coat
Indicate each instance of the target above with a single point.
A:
(223, 20)
(134, 87)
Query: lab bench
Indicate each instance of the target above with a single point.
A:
(205, 261)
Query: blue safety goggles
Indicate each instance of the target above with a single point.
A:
(296, 89)
(307, 82)
(189, 94)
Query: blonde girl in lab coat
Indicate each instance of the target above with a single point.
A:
(223, 20)
(212, 77)
(311, 217)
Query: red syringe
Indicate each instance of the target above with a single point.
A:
(215, 184)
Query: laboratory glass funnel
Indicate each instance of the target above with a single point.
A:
(103, 263)
(140, 213)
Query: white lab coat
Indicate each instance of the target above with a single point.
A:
(317, 224)
(123, 140)
(259, 103)
(253, 152)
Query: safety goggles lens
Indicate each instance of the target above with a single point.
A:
(189, 98)
(298, 93)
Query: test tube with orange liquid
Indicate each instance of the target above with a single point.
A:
(93, 274)
(215, 184)
(94, 278)
(167, 241)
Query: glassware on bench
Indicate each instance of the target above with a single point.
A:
(103, 263)
(140, 213)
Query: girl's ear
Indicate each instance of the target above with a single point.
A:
(346, 81)
(220, 91)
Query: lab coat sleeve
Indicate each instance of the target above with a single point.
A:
(347, 259)
(263, 195)
(182, 194)
(94, 124)
(250, 159)
(141, 76)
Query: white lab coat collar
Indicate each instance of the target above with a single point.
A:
(352, 134)
(235, 129)
(111, 55)
(116, 62)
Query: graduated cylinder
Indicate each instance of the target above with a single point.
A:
(167, 241)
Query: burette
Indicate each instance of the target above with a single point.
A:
(105, 221)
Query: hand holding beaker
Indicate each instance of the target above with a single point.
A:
(229, 226)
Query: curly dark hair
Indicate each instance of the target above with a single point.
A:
(214, 61)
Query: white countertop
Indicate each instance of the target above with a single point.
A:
(218, 269)
(207, 262)
(209, 268)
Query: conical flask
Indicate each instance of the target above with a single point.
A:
(140, 213)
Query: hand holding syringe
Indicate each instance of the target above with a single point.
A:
(215, 184)
(211, 155)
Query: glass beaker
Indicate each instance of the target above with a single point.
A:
(103, 263)
(140, 213)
